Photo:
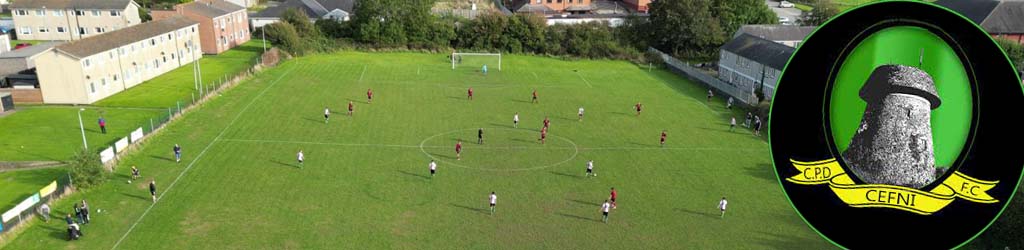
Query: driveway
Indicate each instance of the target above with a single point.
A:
(792, 13)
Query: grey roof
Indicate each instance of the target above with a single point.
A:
(211, 9)
(312, 8)
(995, 16)
(777, 32)
(760, 50)
(68, 4)
(114, 39)
(28, 51)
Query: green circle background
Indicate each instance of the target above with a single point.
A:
(951, 121)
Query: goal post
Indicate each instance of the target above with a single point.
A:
(475, 59)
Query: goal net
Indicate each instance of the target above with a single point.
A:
(476, 61)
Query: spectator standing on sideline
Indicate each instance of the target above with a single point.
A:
(480, 136)
(45, 211)
(750, 116)
(103, 124)
(78, 214)
(177, 153)
(85, 212)
(728, 104)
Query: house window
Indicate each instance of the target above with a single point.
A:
(61, 30)
(103, 82)
(115, 13)
(99, 30)
(86, 63)
(110, 55)
(80, 13)
(172, 56)
(97, 13)
(21, 13)
(92, 87)
(82, 31)
(25, 30)
(58, 13)
(41, 12)
(115, 77)
(44, 29)
(152, 42)
(120, 51)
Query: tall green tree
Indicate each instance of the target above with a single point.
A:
(694, 29)
(300, 21)
(822, 12)
(686, 28)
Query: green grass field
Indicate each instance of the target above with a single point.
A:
(52, 133)
(177, 85)
(365, 183)
(15, 186)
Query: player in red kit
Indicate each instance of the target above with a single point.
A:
(612, 198)
(369, 96)
(458, 150)
(639, 108)
(470, 92)
(351, 108)
(663, 135)
(547, 123)
(543, 135)
(535, 96)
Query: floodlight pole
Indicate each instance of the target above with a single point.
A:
(82, 127)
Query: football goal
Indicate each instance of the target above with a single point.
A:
(476, 61)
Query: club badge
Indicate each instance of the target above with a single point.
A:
(895, 118)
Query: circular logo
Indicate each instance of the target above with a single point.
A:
(893, 120)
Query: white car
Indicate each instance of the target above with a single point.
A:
(786, 4)
(785, 20)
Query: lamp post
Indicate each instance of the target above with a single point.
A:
(82, 127)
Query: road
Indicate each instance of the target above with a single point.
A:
(791, 13)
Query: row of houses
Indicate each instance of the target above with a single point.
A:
(101, 47)
(756, 55)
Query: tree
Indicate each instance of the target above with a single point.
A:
(822, 12)
(1013, 49)
(86, 169)
(300, 21)
(283, 34)
(686, 29)
(695, 29)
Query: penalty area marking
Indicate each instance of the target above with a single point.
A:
(200, 155)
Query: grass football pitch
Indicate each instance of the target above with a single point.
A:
(365, 182)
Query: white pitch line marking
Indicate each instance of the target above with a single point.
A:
(584, 80)
(200, 155)
(362, 74)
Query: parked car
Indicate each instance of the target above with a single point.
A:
(786, 4)
(785, 20)
(22, 45)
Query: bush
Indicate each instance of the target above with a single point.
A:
(86, 169)
(1013, 50)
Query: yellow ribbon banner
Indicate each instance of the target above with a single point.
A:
(48, 189)
(912, 200)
